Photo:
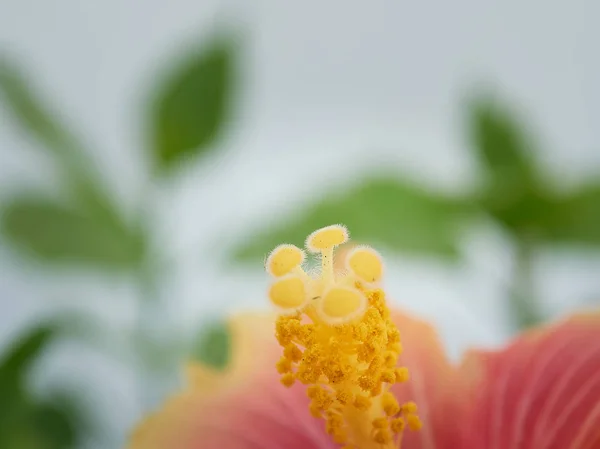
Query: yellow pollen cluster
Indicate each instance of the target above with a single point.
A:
(338, 339)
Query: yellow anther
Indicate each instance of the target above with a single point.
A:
(344, 396)
(284, 365)
(382, 436)
(334, 423)
(327, 237)
(401, 374)
(376, 364)
(315, 410)
(394, 339)
(287, 328)
(414, 423)
(380, 423)
(307, 375)
(388, 376)
(341, 304)
(409, 408)
(306, 335)
(340, 437)
(390, 404)
(319, 397)
(292, 352)
(397, 425)
(366, 264)
(284, 259)
(376, 391)
(288, 293)
(362, 402)
(361, 331)
(367, 383)
(288, 379)
(325, 401)
(313, 391)
(395, 347)
(390, 359)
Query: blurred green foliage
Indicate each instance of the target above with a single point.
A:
(188, 109)
(85, 227)
(517, 193)
(70, 156)
(31, 114)
(404, 216)
(187, 112)
(28, 422)
(55, 232)
(384, 211)
(575, 216)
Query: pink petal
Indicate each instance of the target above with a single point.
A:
(541, 392)
(434, 384)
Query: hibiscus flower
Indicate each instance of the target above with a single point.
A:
(329, 371)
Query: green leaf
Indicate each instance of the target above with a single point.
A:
(213, 346)
(574, 218)
(383, 211)
(58, 421)
(29, 110)
(15, 362)
(24, 420)
(54, 426)
(191, 107)
(50, 424)
(41, 122)
(501, 144)
(513, 190)
(54, 232)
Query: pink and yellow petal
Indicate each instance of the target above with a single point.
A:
(541, 392)
(243, 406)
(269, 417)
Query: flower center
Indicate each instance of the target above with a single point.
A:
(339, 340)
